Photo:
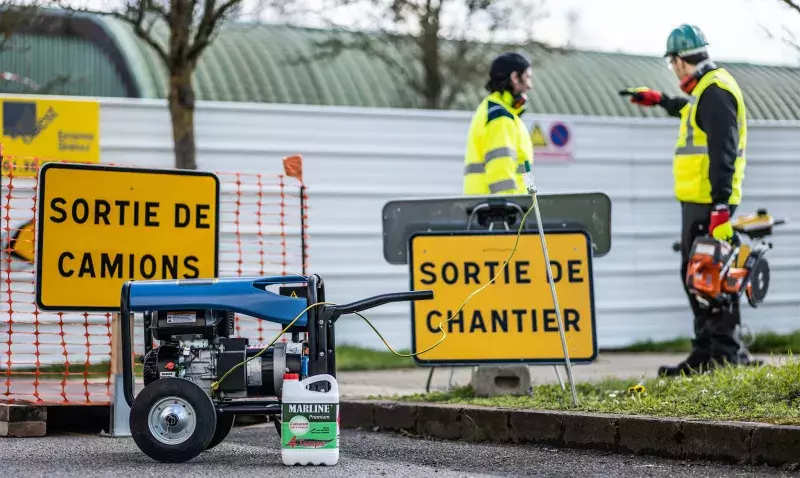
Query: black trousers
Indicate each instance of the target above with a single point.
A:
(714, 329)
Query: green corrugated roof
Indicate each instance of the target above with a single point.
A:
(251, 63)
(47, 60)
(255, 63)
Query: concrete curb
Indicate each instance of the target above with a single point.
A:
(22, 420)
(736, 442)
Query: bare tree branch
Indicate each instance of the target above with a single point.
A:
(16, 17)
(192, 27)
(378, 44)
(211, 20)
(134, 13)
(440, 55)
(792, 4)
(137, 22)
(51, 86)
(22, 18)
(788, 38)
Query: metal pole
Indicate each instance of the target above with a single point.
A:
(303, 228)
(560, 380)
(296, 335)
(555, 367)
(532, 191)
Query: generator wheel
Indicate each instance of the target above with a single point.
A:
(224, 426)
(759, 283)
(172, 420)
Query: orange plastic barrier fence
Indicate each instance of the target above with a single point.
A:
(64, 357)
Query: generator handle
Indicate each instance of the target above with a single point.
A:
(127, 343)
(379, 300)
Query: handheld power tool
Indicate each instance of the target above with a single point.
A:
(719, 272)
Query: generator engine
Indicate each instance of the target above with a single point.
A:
(196, 345)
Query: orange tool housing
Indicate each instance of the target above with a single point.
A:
(719, 271)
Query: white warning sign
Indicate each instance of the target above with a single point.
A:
(552, 140)
(537, 137)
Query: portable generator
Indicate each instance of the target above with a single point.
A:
(199, 376)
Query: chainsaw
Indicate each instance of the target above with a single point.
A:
(719, 272)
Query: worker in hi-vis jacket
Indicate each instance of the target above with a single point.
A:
(499, 142)
(708, 171)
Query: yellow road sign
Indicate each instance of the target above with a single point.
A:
(513, 319)
(99, 226)
(37, 130)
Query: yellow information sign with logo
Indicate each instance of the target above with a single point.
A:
(99, 226)
(38, 129)
(513, 319)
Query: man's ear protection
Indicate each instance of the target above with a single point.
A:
(689, 82)
(519, 100)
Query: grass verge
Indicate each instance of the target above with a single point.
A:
(76, 371)
(768, 394)
(350, 358)
(763, 343)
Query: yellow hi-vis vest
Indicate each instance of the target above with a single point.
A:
(497, 147)
(691, 163)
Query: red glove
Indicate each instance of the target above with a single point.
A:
(643, 96)
(720, 226)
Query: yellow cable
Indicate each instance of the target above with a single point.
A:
(469, 297)
(215, 385)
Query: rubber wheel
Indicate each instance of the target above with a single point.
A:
(224, 426)
(172, 420)
(759, 283)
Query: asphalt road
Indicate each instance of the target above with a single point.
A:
(253, 451)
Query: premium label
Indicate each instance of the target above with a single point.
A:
(309, 425)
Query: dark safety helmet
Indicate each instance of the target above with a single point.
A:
(685, 40)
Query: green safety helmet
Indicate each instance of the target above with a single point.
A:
(685, 40)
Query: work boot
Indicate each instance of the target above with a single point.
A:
(698, 361)
(727, 347)
(700, 356)
(746, 359)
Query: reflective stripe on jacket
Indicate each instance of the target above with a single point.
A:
(690, 167)
(497, 147)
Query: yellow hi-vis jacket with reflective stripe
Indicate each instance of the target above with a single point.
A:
(691, 163)
(497, 147)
